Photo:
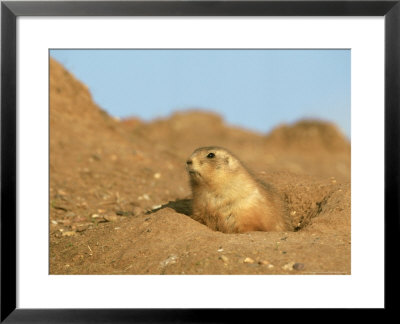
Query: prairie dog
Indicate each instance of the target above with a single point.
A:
(228, 198)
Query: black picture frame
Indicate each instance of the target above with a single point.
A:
(10, 10)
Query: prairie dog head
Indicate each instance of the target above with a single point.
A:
(211, 165)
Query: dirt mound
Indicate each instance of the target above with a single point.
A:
(182, 132)
(120, 200)
(309, 135)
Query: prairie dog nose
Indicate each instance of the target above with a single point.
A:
(189, 162)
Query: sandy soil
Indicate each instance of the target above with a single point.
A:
(120, 196)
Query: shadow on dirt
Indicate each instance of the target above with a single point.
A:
(182, 206)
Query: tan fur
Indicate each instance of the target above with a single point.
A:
(227, 198)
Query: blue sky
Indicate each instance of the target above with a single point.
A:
(254, 89)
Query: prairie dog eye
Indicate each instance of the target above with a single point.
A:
(210, 155)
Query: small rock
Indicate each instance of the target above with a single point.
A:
(220, 250)
(270, 266)
(91, 252)
(111, 218)
(223, 258)
(298, 266)
(54, 222)
(144, 197)
(81, 227)
(264, 262)
(157, 175)
(69, 233)
(117, 228)
(95, 215)
(170, 260)
(288, 266)
(293, 213)
(248, 260)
